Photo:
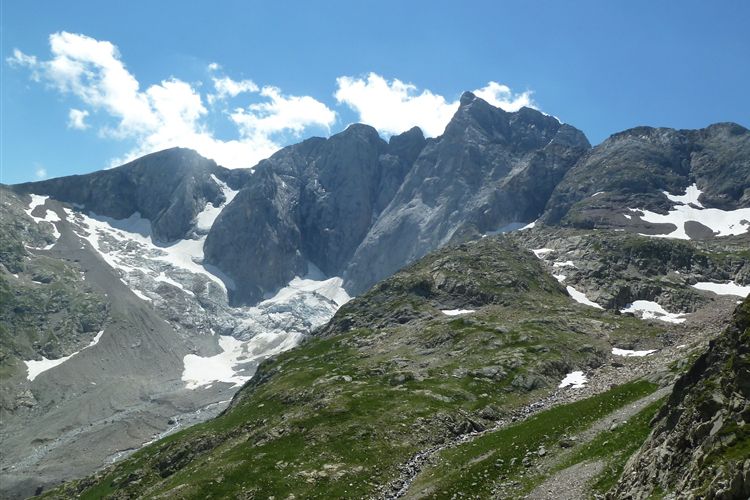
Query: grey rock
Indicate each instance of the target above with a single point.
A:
(169, 188)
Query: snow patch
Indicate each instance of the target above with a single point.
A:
(576, 380)
(541, 251)
(651, 310)
(49, 216)
(689, 209)
(581, 298)
(730, 288)
(34, 367)
(631, 354)
(559, 277)
(457, 312)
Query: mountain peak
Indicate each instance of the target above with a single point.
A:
(467, 98)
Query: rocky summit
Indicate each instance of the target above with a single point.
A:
(501, 311)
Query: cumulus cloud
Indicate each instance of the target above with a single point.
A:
(292, 113)
(501, 96)
(77, 119)
(393, 106)
(226, 88)
(171, 112)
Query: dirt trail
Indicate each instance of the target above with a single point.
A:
(571, 483)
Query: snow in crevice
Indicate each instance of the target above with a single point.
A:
(206, 219)
(34, 367)
(687, 208)
(49, 216)
(540, 252)
(575, 380)
(567, 263)
(729, 288)
(581, 298)
(511, 226)
(647, 309)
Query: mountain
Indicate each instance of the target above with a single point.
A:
(358, 207)
(637, 178)
(472, 371)
(169, 188)
(394, 372)
(490, 171)
(309, 203)
(141, 300)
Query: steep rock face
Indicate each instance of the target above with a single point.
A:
(632, 168)
(489, 169)
(313, 202)
(169, 188)
(701, 443)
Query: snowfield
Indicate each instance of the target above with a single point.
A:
(206, 219)
(457, 312)
(730, 288)
(581, 298)
(34, 368)
(315, 300)
(631, 354)
(687, 208)
(647, 309)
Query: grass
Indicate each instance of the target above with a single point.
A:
(476, 466)
(615, 447)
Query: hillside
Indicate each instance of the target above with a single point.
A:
(462, 342)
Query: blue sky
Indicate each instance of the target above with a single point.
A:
(86, 85)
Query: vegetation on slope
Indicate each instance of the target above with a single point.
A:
(389, 376)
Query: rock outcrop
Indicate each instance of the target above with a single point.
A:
(313, 202)
(356, 206)
(169, 188)
(632, 168)
(700, 445)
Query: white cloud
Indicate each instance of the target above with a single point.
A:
(226, 87)
(77, 119)
(172, 112)
(40, 173)
(292, 113)
(169, 113)
(393, 106)
(501, 96)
